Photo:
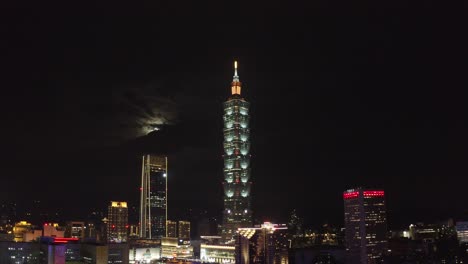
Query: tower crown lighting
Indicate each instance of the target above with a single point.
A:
(236, 84)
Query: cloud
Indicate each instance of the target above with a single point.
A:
(138, 111)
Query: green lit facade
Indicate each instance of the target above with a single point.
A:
(236, 143)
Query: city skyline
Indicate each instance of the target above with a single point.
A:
(339, 104)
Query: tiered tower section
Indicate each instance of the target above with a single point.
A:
(236, 182)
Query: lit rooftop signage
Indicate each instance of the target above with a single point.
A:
(374, 193)
(350, 195)
(64, 240)
(355, 194)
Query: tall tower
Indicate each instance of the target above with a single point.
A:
(117, 224)
(236, 143)
(153, 197)
(365, 225)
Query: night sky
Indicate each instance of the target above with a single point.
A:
(343, 94)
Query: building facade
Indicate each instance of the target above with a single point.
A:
(19, 252)
(118, 253)
(21, 228)
(171, 228)
(237, 212)
(75, 229)
(217, 253)
(117, 225)
(7, 216)
(153, 198)
(462, 231)
(365, 225)
(266, 244)
(184, 230)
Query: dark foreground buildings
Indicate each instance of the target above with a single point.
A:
(265, 244)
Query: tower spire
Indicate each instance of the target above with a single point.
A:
(236, 84)
(236, 77)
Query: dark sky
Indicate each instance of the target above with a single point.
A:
(343, 93)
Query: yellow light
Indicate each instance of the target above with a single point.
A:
(235, 64)
(119, 204)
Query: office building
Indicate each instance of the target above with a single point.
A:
(117, 222)
(153, 198)
(94, 253)
(462, 231)
(118, 253)
(75, 229)
(237, 212)
(217, 253)
(134, 231)
(55, 250)
(7, 215)
(171, 228)
(366, 225)
(48, 230)
(52, 230)
(91, 231)
(19, 252)
(424, 232)
(266, 244)
(184, 230)
(172, 247)
(20, 229)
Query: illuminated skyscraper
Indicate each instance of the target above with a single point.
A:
(236, 182)
(153, 198)
(365, 225)
(117, 224)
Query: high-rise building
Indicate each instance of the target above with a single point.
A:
(7, 215)
(365, 225)
(153, 198)
(184, 230)
(462, 231)
(171, 228)
(267, 244)
(236, 182)
(117, 225)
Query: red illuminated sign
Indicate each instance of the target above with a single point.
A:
(350, 195)
(374, 193)
(64, 239)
